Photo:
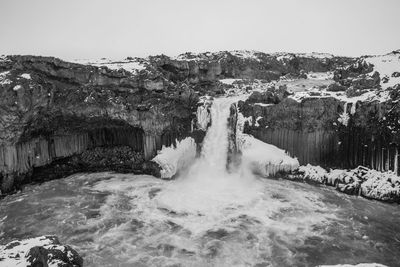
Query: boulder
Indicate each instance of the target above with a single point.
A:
(40, 251)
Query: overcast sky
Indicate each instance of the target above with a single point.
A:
(74, 29)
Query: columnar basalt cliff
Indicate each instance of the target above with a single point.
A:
(51, 109)
(329, 132)
(57, 115)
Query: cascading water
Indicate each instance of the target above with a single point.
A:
(207, 187)
(205, 217)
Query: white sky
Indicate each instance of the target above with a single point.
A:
(74, 29)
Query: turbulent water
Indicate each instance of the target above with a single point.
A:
(206, 217)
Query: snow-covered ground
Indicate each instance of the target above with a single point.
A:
(386, 65)
(369, 183)
(369, 96)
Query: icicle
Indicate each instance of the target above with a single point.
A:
(396, 161)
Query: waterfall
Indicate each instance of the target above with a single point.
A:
(207, 187)
(214, 153)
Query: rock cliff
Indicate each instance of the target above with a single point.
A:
(59, 117)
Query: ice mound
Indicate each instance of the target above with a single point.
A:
(174, 158)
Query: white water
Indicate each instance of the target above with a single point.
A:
(207, 187)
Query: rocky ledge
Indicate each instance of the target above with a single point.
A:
(39, 251)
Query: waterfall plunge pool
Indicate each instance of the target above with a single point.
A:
(127, 220)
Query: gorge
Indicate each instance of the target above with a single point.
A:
(212, 126)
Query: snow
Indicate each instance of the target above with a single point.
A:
(16, 255)
(315, 173)
(358, 265)
(26, 76)
(344, 117)
(257, 119)
(229, 81)
(131, 65)
(386, 65)
(282, 55)
(320, 76)
(369, 96)
(17, 87)
(262, 158)
(315, 55)
(246, 54)
(203, 117)
(371, 183)
(263, 104)
(381, 185)
(3, 78)
(173, 159)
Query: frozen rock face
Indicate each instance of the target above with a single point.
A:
(39, 251)
(371, 184)
(176, 157)
(260, 157)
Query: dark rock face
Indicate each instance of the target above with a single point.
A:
(62, 109)
(311, 130)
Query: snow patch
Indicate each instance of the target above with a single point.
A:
(26, 76)
(386, 65)
(358, 265)
(15, 253)
(3, 78)
(229, 81)
(132, 65)
(17, 87)
(263, 104)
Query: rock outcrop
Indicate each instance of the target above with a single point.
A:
(39, 251)
(328, 131)
(371, 184)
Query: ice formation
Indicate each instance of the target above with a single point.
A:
(361, 180)
(203, 117)
(175, 158)
(262, 158)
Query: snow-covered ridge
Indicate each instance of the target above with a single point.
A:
(132, 65)
(245, 54)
